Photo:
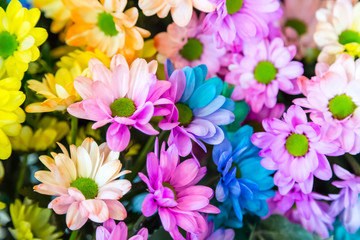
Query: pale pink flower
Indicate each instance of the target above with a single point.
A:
(85, 183)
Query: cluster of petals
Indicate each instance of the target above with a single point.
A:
(89, 163)
(308, 210)
(341, 79)
(107, 90)
(254, 17)
(212, 234)
(112, 231)
(280, 152)
(176, 45)
(173, 193)
(259, 91)
(207, 107)
(346, 203)
(181, 10)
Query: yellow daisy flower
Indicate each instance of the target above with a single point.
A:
(19, 39)
(59, 90)
(11, 115)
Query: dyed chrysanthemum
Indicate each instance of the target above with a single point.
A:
(189, 46)
(10, 113)
(49, 132)
(238, 20)
(298, 24)
(31, 222)
(59, 89)
(304, 209)
(173, 192)
(104, 25)
(112, 231)
(265, 68)
(333, 99)
(181, 10)
(121, 96)
(338, 30)
(85, 183)
(199, 108)
(237, 159)
(295, 148)
(19, 39)
(212, 234)
(346, 204)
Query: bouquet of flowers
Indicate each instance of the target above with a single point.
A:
(179, 119)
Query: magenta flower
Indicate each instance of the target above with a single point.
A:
(212, 234)
(333, 99)
(304, 209)
(111, 231)
(295, 149)
(173, 192)
(237, 20)
(264, 69)
(347, 202)
(121, 96)
(275, 112)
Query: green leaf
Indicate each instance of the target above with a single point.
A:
(160, 234)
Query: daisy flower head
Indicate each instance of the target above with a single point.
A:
(112, 231)
(264, 69)
(122, 96)
(295, 149)
(237, 159)
(19, 39)
(338, 30)
(308, 210)
(199, 108)
(346, 203)
(181, 10)
(85, 183)
(254, 17)
(173, 193)
(189, 46)
(104, 25)
(333, 99)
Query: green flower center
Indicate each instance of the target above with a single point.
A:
(341, 106)
(192, 50)
(106, 24)
(297, 144)
(165, 184)
(265, 72)
(298, 25)
(8, 44)
(86, 186)
(234, 6)
(123, 107)
(238, 173)
(349, 36)
(185, 114)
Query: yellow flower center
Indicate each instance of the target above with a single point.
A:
(349, 36)
(192, 50)
(234, 6)
(297, 145)
(123, 107)
(86, 186)
(265, 72)
(185, 114)
(106, 24)
(341, 106)
(298, 25)
(8, 44)
(165, 184)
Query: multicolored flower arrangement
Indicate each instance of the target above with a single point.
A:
(179, 119)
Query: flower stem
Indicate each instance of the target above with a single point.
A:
(74, 126)
(353, 163)
(73, 235)
(20, 180)
(138, 223)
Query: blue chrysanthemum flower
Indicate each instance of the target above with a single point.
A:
(25, 3)
(199, 110)
(243, 180)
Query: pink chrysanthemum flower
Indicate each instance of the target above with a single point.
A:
(189, 46)
(275, 112)
(121, 96)
(238, 20)
(112, 231)
(347, 202)
(84, 183)
(173, 192)
(304, 209)
(334, 102)
(293, 147)
(265, 68)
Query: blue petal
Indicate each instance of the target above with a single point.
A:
(169, 68)
(210, 108)
(229, 105)
(190, 84)
(202, 96)
(218, 83)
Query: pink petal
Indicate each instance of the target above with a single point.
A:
(121, 80)
(97, 209)
(149, 206)
(117, 211)
(75, 217)
(117, 137)
(167, 219)
(191, 203)
(185, 173)
(61, 204)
